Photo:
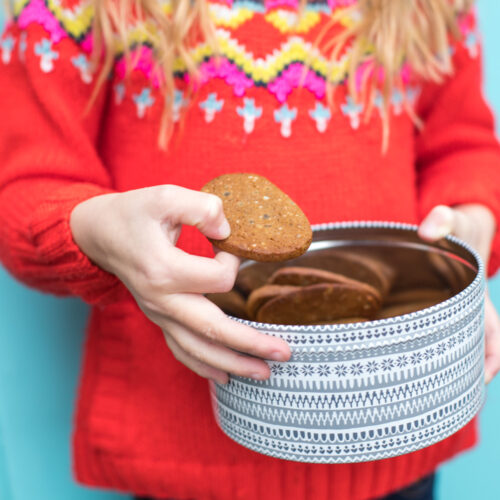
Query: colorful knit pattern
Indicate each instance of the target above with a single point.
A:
(296, 60)
(75, 18)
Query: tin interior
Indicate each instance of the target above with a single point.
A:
(444, 264)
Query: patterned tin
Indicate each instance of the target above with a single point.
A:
(372, 390)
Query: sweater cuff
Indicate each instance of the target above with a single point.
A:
(465, 177)
(56, 248)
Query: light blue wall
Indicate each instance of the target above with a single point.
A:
(40, 342)
(475, 474)
(40, 347)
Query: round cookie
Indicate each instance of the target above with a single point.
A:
(358, 267)
(319, 303)
(231, 303)
(266, 225)
(255, 275)
(261, 295)
(306, 276)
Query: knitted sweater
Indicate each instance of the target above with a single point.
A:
(143, 422)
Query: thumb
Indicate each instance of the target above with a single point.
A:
(194, 208)
(438, 223)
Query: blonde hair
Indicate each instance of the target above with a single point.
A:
(396, 31)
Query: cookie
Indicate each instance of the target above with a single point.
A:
(319, 303)
(400, 309)
(358, 267)
(266, 225)
(231, 303)
(305, 276)
(254, 276)
(411, 295)
(261, 295)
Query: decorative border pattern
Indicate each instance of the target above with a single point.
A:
(343, 431)
(76, 20)
(293, 62)
(364, 391)
(385, 383)
(355, 410)
(384, 447)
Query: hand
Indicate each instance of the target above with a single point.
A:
(135, 240)
(474, 224)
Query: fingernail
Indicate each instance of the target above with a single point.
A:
(258, 376)
(277, 356)
(224, 230)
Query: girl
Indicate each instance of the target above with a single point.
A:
(115, 113)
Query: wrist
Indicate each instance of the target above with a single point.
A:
(482, 216)
(86, 225)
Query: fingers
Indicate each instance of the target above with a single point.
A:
(438, 223)
(492, 341)
(210, 359)
(153, 263)
(202, 369)
(197, 314)
(187, 273)
(194, 208)
(472, 223)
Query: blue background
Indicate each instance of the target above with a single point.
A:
(40, 343)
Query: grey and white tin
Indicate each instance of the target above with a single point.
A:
(372, 390)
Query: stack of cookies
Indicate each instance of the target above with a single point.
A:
(326, 287)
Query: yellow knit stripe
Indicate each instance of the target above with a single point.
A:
(18, 6)
(264, 70)
(76, 21)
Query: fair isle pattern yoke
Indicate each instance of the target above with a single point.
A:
(75, 18)
(295, 62)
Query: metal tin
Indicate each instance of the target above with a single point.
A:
(367, 391)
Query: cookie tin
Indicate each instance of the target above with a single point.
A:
(367, 391)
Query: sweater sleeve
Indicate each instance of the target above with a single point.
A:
(458, 154)
(49, 160)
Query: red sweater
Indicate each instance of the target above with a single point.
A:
(144, 422)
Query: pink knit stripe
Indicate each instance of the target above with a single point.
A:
(37, 12)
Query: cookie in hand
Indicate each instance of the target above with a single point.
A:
(266, 225)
